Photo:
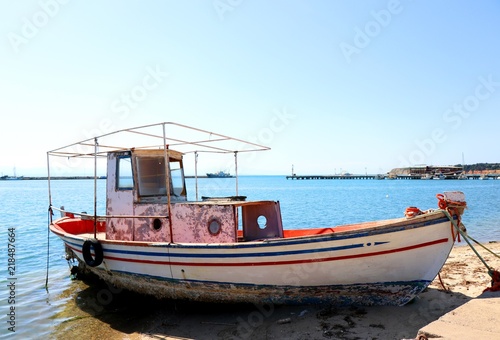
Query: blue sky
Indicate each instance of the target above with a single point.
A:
(330, 86)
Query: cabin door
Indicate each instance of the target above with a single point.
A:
(119, 197)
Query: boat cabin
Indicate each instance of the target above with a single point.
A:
(147, 201)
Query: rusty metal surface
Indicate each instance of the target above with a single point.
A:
(144, 229)
(384, 294)
(118, 202)
(190, 223)
(252, 229)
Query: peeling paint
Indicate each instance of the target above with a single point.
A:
(374, 294)
(118, 202)
(190, 223)
(144, 228)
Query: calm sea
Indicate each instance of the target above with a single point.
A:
(310, 203)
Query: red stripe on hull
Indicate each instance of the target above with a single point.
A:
(273, 263)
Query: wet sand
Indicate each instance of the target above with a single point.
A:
(101, 312)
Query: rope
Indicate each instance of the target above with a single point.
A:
(466, 238)
(494, 274)
(495, 282)
(485, 248)
(441, 281)
(453, 207)
(49, 215)
(411, 212)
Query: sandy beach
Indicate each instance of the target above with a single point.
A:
(102, 312)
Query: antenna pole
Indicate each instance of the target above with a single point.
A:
(236, 169)
(95, 187)
(167, 184)
(196, 172)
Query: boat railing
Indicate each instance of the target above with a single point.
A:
(99, 218)
(185, 139)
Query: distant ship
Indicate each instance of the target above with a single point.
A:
(220, 174)
(10, 178)
(15, 177)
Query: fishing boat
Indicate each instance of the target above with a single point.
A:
(153, 240)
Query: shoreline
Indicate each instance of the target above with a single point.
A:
(45, 178)
(133, 317)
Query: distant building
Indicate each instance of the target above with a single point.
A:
(427, 170)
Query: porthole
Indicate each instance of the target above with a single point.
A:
(157, 224)
(214, 227)
(262, 221)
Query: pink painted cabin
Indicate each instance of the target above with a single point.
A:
(137, 205)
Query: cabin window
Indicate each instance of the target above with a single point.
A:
(214, 227)
(157, 224)
(262, 222)
(177, 175)
(125, 180)
(151, 176)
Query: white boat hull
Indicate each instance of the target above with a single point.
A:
(383, 263)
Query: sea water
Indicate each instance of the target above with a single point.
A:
(29, 309)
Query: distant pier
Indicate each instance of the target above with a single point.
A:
(423, 172)
(420, 177)
(304, 177)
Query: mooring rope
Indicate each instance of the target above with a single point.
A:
(484, 247)
(466, 238)
(494, 274)
(49, 215)
(441, 281)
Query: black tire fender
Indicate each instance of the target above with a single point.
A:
(98, 253)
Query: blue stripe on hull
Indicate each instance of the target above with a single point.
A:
(228, 255)
(269, 244)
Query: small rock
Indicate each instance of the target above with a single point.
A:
(284, 321)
